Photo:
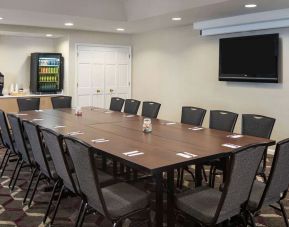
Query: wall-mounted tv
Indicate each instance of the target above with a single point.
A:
(249, 58)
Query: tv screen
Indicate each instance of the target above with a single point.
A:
(250, 58)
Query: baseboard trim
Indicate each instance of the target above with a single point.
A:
(271, 151)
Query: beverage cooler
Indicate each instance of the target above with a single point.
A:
(46, 73)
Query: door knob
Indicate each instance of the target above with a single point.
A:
(111, 90)
(97, 90)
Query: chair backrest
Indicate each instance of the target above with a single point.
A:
(257, 125)
(223, 120)
(150, 109)
(26, 104)
(37, 146)
(278, 181)
(193, 115)
(61, 102)
(82, 156)
(131, 106)
(5, 132)
(244, 164)
(55, 145)
(18, 134)
(116, 104)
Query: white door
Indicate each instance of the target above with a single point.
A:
(102, 72)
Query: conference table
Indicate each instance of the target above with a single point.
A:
(169, 146)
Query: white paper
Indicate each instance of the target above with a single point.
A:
(131, 152)
(129, 115)
(21, 114)
(99, 140)
(75, 133)
(37, 119)
(230, 145)
(59, 126)
(193, 155)
(196, 128)
(184, 155)
(234, 136)
(135, 154)
(170, 123)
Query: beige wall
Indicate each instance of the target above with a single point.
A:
(15, 57)
(177, 67)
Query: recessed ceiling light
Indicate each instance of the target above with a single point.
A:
(250, 5)
(120, 29)
(49, 35)
(1, 18)
(68, 24)
(176, 18)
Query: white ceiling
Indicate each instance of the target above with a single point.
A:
(134, 15)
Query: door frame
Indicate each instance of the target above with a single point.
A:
(77, 45)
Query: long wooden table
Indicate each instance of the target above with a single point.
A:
(160, 148)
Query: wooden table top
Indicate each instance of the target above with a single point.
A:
(124, 132)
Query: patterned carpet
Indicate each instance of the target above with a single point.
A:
(12, 213)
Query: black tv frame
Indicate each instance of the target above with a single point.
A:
(245, 77)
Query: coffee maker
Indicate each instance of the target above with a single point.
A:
(1, 83)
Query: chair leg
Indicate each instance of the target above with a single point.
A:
(50, 201)
(285, 217)
(204, 173)
(211, 176)
(57, 205)
(29, 186)
(17, 175)
(34, 190)
(181, 179)
(5, 163)
(252, 219)
(79, 213)
(214, 177)
(4, 157)
(263, 175)
(14, 171)
(81, 220)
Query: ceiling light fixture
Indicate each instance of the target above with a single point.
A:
(68, 24)
(120, 29)
(250, 5)
(176, 18)
(49, 35)
(1, 18)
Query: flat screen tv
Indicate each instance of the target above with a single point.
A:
(249, 58)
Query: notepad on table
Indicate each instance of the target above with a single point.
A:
(21, 114)
(37, 119)
(59, 126)
(234, 136)
(133, 153)
(131, 115)
(187, 155)
(75, 133)
(169, 123)
(196, 128)
(231, 145)
(99, 140)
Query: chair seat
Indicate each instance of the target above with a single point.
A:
(256, 194)
(122, 198)
(201, 203)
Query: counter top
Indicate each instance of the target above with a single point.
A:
(28, 95)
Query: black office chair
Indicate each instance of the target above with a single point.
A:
(44, 166)
(209, 206)
(25, 156)
(131, 106)
(193, 115)
(65, 169)
(275, 190)
(259, 126)
(8, 143)
(223, 120)
(116, 202)
(150, 109)
(61, 102)
(116, 104)
(26, 104)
